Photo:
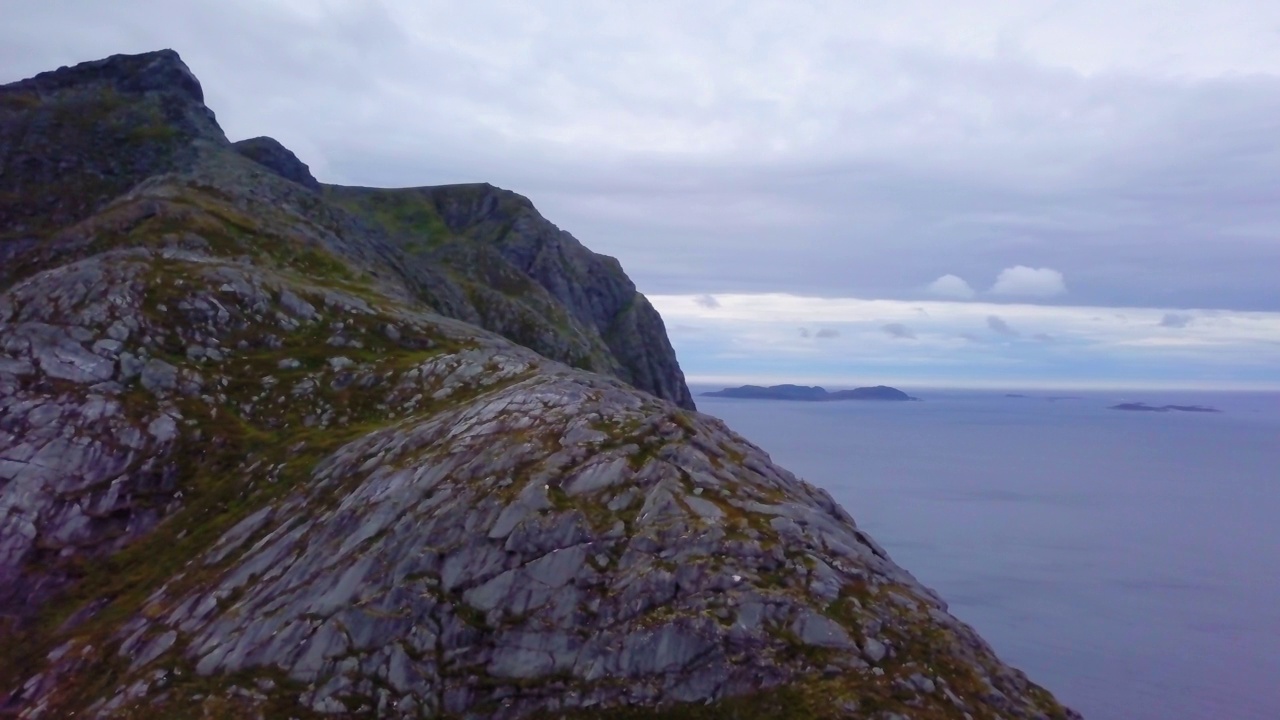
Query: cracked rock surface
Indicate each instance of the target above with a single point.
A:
(255, 463)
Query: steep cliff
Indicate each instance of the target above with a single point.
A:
(530, 280)
(248, 468)
(75, 138)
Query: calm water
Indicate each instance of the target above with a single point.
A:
(1130, 562)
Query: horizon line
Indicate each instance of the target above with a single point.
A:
(975, 384)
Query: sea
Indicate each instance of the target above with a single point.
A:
(1127, 561)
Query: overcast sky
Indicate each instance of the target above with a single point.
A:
(1055, 192)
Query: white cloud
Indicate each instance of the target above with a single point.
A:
(859, 320)
(951, 286)
(1175, 320)
(961, 342)
(708, 301)
(1031, 282)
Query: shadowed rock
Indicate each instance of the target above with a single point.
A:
(269, 153)
(530, 280)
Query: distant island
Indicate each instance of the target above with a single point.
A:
(810, 393)
(1143, 407)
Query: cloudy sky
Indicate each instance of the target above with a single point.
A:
(981, 193)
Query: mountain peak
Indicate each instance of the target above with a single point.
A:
(157, 71)
(74, 138)
(269, 153)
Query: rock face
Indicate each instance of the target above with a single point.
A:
(247, 469)
(75, 138)
(269, 153)
(530, 280)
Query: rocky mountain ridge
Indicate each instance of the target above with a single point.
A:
(260, 457)
(75, 139)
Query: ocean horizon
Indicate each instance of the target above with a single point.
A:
(1125, 560)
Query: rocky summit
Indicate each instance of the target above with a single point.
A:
(276, 449)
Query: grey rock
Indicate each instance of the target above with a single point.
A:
(521, 663)
(163, 429)
(558, 567)
(704, 509)
(532, 499)
(269, 153)
(130, 367)
(922, 683)
(108, 347)
(154, 649)
(159, 376)
(296, 306)
(666, 649)
(598, 476)
(68, 360)
(815, 629)
(874, 650)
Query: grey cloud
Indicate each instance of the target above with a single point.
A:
(827, 333)
(997, 325)
(707, 301)
(978, 162)
(898, 330)
(1175, 320)
(804, 332)
(1044, 337)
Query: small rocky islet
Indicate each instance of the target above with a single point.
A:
(271, 448)
(810, 393)
(1144, 407)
